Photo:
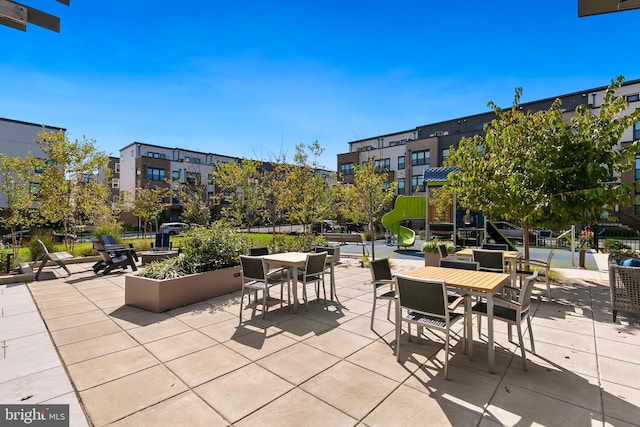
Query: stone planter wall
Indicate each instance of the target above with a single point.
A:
(161, 295)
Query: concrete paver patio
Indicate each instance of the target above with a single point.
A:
(196, 365)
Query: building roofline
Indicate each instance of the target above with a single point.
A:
(382, 136)
(32, 124)
(179, 149)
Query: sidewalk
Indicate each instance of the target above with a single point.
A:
(198, 366)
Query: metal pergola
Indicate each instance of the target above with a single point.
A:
(17, 15)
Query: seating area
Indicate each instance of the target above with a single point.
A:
(199, 362)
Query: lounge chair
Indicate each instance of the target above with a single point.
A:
(57, 257)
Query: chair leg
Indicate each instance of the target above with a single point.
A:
(265, 297)
(373, 310)
(389, 311)
(548, 286)
(522, 350)
(398, 328)
(242, 300)
(446, 356)
(533, 346)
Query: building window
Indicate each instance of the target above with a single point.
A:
(400, 187)
(210, 178)
(417, 184)
(192, 177)
(346, 169)
(633, 98)
(380, 165)
(34, 187)
(175, 176)
(116, 168)
(636, 131)
(637, 167)
(420, 158)
(400, 163)
(636, 206)
(445, 155)
(154, 174)
(155, 155)
(115, 183)
(192, 160)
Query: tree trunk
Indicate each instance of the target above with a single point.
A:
(373, 240)
(525, 239)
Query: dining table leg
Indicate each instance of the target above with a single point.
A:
(490, 343)
(294, 284)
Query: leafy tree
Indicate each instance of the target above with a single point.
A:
(367, 198)
(148, 204)
(536, 168)
(270, 181)
(306, 196)
(196, 209)
(17, 175)
(68, 188)
(236, 195)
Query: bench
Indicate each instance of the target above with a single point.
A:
(344, 238)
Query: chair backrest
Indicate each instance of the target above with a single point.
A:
(460, 264)
(495, 246)
(45, 251)
(162, 240)
(108, 239)
(545, 234)
(252, 267)
(443, 251)
(315, 263)
(525, 292)
(259, 251)
(549, 260)
(380, 269)
(489, 260)
(422, 295)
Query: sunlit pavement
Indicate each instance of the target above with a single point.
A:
(71, 340)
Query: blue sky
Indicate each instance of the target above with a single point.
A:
(255, 78)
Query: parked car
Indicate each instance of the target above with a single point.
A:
(326, 226)
(22, 236)
(173, 228)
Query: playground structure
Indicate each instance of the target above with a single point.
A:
(405, 208)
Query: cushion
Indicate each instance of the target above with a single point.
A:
(630, 262)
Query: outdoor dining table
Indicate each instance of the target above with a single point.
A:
(479, 283)
(296, 260)
(511, 257)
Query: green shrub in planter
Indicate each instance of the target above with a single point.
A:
(431, 247)
(203, 249)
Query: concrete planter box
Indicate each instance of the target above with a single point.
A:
(432, 260)
(161, 295)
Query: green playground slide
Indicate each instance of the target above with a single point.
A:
(406, 207)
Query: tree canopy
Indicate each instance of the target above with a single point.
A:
(538, 168)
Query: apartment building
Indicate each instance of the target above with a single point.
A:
(148, 165)
(406, 154)
(18, 138)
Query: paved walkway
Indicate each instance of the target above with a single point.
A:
(71, 340)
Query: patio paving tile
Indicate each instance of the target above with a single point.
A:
(297, 408)
(350, 388)
(73, 320)
(185, 409)
(29, 354)
(620, 372)
(205, 365)
(407, 406)
(95, 347)
(175, 346)
(298, 363)
(621, 402)
(338, 342)
(256, 345)
(84, 332)
(159, 330)
(243, 391)
(37, 387)
(122, 397)
(513, 405)
(92, 372)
